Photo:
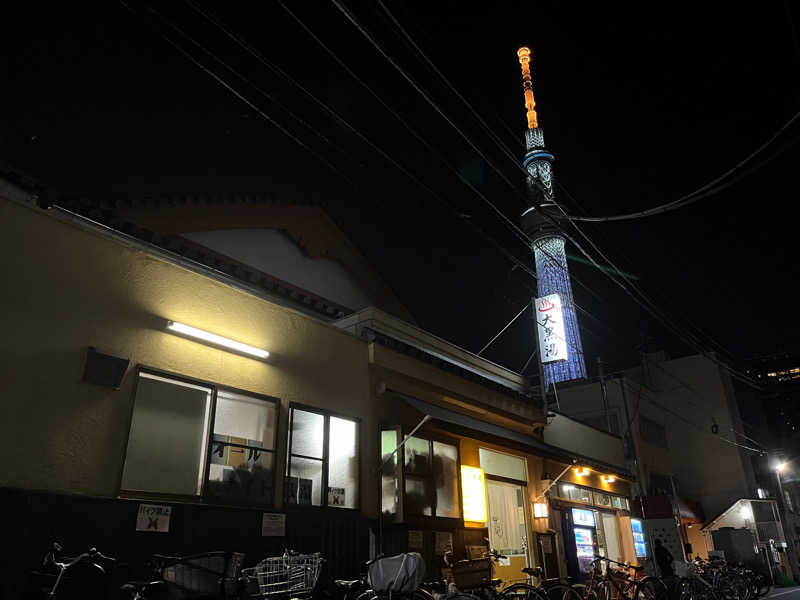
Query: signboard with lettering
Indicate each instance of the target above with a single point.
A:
(550, 327)
(273, 525)
(153, 517)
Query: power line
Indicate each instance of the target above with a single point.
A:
(499, 333)
(244, 99)
(714, 186)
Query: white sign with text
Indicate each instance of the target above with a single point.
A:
(550, 327)
(153, 517)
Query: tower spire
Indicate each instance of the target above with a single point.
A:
(524, 55)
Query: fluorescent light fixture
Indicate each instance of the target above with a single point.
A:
(215, 339)
(780, 466)
(567, 487)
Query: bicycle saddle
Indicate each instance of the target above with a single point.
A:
(346, 585)
(533, 571)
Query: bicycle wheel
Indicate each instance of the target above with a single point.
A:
(523, 591)
(761, 585)
(561, 591)
(584, 592)
(728, 589)
(650, 588)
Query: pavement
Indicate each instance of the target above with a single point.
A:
(785, 593)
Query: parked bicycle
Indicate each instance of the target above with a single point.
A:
(554, 588)
(617, 583)
(396, 577)
(713, 580)
(85, 576)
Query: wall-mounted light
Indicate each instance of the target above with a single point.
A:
(608, 478)
(473, 493)
(540, 510)
(216, 340)
(582, 471)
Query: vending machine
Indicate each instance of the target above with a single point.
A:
(585, 531)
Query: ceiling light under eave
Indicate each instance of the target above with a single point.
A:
(216, 340)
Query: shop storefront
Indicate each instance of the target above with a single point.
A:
(594, 522)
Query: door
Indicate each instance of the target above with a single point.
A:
(611, 531)
(548, 558)
(508, 529)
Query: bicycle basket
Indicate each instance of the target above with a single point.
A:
(203, 574)
(472, 574)
(402, 573)
(297, 574)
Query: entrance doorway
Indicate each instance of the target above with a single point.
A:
(508, 528)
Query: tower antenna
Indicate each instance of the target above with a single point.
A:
(524, 55)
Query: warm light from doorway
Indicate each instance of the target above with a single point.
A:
(215, 339)
(540, 510)
(473, 493)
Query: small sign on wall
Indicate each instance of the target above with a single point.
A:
(336, 496)
(153, 517)
(273, 525)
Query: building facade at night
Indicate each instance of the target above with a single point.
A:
(695, 472)
(137, 378)
(561, 354)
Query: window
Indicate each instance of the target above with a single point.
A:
(171, 440)
(603, 500)
(323, 455)
(618, 502)
(243, 449)
(502, 465)
(431, 478)
(390, 473)
(573, 492)
(652, 432)
(168, 440)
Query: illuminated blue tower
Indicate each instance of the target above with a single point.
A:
(539, 222)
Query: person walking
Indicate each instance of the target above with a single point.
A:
(664, 560)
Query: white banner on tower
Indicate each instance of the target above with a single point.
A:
(550, 326)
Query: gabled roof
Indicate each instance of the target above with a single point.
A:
(162, 221)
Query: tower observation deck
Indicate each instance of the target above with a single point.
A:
(561, 355)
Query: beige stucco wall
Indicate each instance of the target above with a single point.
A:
(66, 288)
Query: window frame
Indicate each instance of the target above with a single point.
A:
(203, 497)
(430, 438)
(326, 414)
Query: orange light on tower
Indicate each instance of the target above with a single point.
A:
(524, 55)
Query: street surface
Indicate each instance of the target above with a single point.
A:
(790, 593)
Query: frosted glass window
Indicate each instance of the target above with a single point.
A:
(502, 464)
(445, 478)
(331, 469)
(307, 433)
(390, 477)
(418, 456)
(343, 460)
(419, 499)
(431, 478)
(168, 441)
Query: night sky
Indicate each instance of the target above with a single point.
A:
(639, 104)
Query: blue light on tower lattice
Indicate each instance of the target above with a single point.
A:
(553, 274)
(540, 223)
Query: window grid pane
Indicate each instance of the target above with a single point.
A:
(307, 433)
(343, 460)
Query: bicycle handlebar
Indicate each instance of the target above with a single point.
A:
(598, 558)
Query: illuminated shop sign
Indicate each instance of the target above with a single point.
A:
(550, 327)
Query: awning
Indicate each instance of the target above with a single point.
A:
(460, 423)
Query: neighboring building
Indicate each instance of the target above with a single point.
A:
(684, 444)
(106, 409)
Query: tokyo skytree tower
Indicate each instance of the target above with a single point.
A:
(561, 351)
